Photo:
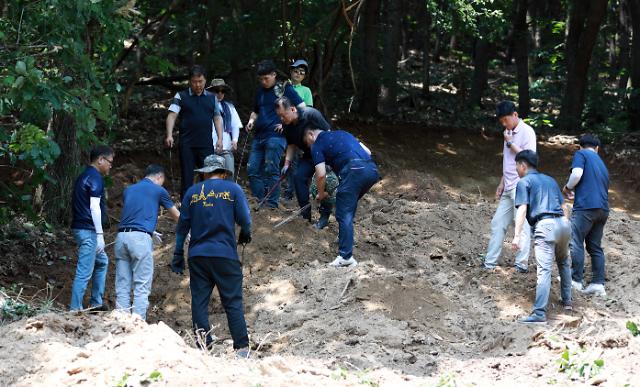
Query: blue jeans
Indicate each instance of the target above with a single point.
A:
(226, 274)
(356, 178)
(134, 271)
(301, 179)
(587, 226)
(263, 168)
(91, 266)
(551, 242)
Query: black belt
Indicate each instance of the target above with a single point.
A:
(547, 216)
(130, 229)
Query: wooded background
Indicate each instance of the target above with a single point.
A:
(71, 70)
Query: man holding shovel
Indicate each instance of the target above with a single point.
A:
(294, 121)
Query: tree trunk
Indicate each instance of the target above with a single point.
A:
(584, 23)
(480, 71)
(426, 54)
(390, 56)
(57, 195)
(211, 23)
(521, 51)
(624, 33)
(634, 99)
(285, 35)
(369, 77)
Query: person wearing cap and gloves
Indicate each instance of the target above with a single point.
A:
(231, 123)
(517, 136)
(299, 70)
(268, 142)
(210, 210)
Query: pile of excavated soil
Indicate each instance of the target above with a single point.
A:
(417, 309)
(115, 349)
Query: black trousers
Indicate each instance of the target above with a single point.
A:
(190, 159)
(225, 274)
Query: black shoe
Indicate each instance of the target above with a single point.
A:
(306, 215)
(322, 222)
(98, 308)
(521, 270)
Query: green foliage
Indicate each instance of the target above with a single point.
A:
(123, 380)
(448, 380)
(31, 144)
(154, 376)
(575, 365)
(14, 307)
(61, 55)
(633, 328)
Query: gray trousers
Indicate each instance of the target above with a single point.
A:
(551, 243)
(505, 215)
(134, 271)
(229, 162)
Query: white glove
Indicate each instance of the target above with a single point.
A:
(157, 237)
(100, 244)
(188, 238)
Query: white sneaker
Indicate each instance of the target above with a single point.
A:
(577, 285)
(341, 262)
(595, 289)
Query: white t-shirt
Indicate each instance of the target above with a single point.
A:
(236, 124)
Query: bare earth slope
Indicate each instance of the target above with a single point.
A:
(416, 310)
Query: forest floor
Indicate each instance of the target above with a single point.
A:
(416, 310)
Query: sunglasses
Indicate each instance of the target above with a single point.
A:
(219, 91)
(299, 71)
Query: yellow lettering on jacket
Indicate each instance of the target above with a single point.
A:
(209, 198)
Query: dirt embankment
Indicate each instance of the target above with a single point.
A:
(417, 309)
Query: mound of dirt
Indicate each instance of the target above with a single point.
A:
(417, 309)
(116, 349)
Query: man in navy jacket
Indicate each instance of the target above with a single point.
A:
(210, 210)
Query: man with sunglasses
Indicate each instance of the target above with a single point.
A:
(231, 124)
(88, 212)
(299, 71)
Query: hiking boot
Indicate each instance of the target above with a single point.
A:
(341, 262)
(534, 319)
(521, 270)
(243, 353)
(577, 285)
(595, 289)
(487, 268)
(306, 215)
(322, 222)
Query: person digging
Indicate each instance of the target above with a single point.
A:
(357, 173)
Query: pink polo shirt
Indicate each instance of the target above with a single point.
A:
(525, 138)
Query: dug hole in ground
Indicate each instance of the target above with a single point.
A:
(417, 310)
